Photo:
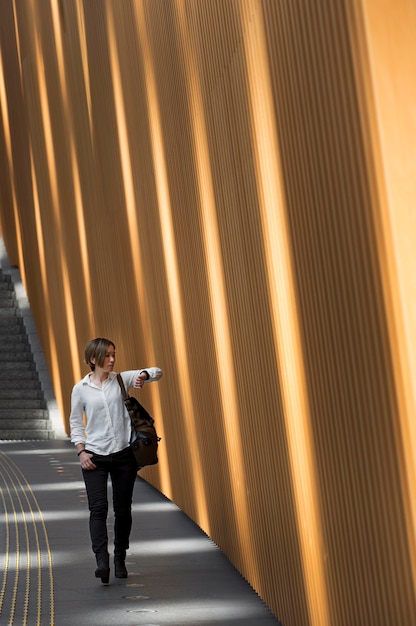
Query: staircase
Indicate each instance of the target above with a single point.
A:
(23, 410)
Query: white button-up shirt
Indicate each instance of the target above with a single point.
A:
(99, 418)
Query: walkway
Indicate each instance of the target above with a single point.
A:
(177, 576)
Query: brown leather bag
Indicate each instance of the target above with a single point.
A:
(145, 441)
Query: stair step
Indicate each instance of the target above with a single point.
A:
(14, 343)
(23, 414)
(20, 382)
(33, 392)
(18, 375)
(8, 306)
(16, 404)
(16, 357)
(24, 424)
(22, 385)
(21, 365)
(7, 301)
(8, 317)
(19, 351)
(7, 327)
(26, 435)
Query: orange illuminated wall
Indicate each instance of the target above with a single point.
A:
(226, 189)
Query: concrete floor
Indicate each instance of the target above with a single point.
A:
(177, 575)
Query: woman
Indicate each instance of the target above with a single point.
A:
(102, 443)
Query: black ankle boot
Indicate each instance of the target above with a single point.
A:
(103, 568)
(120, 570)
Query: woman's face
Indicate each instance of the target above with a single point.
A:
(109, 359)
(106, 361)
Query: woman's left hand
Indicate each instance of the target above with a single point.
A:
(139, 382)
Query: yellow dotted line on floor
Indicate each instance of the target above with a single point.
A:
(16, 484)
(6, 554)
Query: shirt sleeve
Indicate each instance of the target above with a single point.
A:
(155, 373)
(76, 419)
(129, 376)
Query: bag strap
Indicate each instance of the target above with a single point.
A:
(123, 389)
(126, 399)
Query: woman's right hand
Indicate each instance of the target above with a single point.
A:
(85, 459)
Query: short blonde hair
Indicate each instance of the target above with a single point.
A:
(97, 349)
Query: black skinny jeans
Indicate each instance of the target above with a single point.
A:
(122, 468)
